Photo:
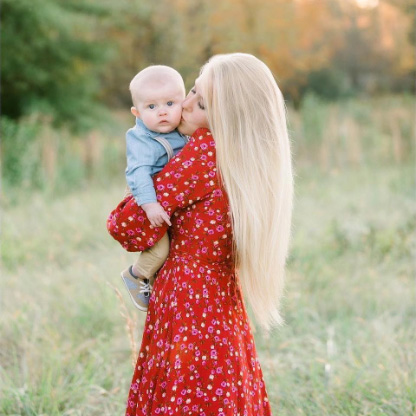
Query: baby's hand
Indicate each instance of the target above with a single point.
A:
(156, 214)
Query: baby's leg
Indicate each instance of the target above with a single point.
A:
(139, 278)
(152, 259)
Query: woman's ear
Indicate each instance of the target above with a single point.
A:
(135, 112)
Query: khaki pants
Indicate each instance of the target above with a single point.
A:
(152, 259)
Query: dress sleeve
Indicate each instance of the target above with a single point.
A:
(189, 177)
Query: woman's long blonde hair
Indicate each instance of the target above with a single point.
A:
(247, 116)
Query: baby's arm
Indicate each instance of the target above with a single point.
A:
(156, 214)
(139, 177)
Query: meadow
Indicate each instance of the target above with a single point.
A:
(347, 347)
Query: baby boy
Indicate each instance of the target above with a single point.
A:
(157, 94)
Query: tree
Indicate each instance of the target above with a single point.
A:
(51, 58)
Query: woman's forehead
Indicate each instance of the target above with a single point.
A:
(198, 83)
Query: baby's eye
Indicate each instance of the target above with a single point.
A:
(170, 103)
(152, 106)
(201, 106)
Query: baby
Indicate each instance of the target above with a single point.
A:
(157, 94)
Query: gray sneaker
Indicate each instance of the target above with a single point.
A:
(139, 289)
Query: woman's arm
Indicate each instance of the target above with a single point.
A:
(190, 176)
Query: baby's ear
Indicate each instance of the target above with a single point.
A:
(135, 112)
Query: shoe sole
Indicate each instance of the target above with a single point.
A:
(141, 308)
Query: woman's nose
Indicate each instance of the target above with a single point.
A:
(185, 104)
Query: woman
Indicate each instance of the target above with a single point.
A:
(230, 229)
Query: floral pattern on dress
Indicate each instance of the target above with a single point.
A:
(197, 355)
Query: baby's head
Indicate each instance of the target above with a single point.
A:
(157, 93)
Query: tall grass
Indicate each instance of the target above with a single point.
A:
(35, 156)
(354, 132)
(351, 133)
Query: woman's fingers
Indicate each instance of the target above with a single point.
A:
(165, 217)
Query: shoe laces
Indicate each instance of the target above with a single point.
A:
(145, 287)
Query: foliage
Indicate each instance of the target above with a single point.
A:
(328, 83)
(19, 142)
(65, 57)
(54, 59)
(301, 41)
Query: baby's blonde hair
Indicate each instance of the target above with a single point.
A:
(157, 75)
(246, 113)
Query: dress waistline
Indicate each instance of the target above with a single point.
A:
(186, 256)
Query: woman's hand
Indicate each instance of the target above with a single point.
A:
(156, 214)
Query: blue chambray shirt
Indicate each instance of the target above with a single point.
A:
(146, 157)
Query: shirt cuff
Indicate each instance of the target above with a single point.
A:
(145, 198)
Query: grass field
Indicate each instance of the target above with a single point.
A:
(348, 346)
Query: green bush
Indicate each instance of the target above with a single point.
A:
(55, 59)
(20, 145)
(329, 84)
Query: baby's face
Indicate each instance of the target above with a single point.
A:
(160, 107)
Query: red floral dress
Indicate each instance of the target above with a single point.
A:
(197, 355)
